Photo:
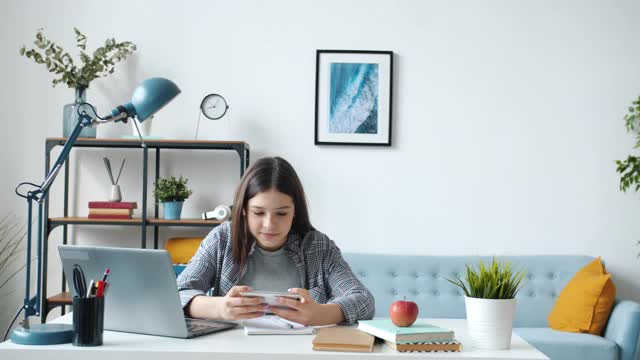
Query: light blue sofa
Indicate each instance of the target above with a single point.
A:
(423, 279)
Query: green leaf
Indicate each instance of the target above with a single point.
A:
(60, 63)
(496, 281)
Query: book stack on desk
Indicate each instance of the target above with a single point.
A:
(111, 209)
(419, 337)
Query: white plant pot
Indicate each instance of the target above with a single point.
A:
(490, 322)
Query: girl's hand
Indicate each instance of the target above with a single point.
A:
(235, 307)
(307, 311)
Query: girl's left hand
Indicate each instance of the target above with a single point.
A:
(306, 311)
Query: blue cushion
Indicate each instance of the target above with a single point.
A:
(560, 345)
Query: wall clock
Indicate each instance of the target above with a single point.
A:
(214, 106)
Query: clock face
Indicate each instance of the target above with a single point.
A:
(214, 106)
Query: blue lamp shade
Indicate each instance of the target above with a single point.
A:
(149, 97)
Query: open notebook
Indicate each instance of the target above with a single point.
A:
(274, 325)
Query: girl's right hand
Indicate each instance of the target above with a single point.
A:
(235, 307)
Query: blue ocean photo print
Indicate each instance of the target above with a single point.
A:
(353, 98)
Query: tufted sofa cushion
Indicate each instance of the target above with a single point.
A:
(565, 345)
(423, 279)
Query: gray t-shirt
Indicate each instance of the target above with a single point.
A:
(271, 271)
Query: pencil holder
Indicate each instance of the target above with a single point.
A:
(88, 321)
(116, 196)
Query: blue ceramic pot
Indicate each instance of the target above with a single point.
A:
(172, 210)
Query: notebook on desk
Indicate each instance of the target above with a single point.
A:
(342, 338)
(142, 296)
(274, 325)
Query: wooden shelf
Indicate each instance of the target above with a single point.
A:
(129, 222)
(151, 143)
(60, 299)
(183, 222)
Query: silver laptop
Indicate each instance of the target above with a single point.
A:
(142, 296)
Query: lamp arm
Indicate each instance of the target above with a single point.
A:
(84, 121)
(32, 305)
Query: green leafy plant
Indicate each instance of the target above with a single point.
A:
(630, 168)
(11, 237)
(60, 63)
(171, 189)
(496, 281)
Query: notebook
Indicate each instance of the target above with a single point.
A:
(343, 339)
(420, 331)
(142, 296)
(274, 325)
(434, 346)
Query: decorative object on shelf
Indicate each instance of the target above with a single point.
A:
(221, 213)
(100, 63)
(111, 209)
(353, 97)
(116, 195)
(150, 96)
(171, 193)
(490, 303)
(214, 107)
(70, 115)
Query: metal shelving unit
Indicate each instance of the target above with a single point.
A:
(144, 221)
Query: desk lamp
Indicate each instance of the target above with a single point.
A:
(150, 96)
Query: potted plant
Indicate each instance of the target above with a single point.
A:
(490, 302)
(171, 193)
(629, 169)
(11, 237)
(74, 75)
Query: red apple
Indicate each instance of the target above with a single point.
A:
(403, 313)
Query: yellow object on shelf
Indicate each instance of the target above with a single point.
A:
(182, 249)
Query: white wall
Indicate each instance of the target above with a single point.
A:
(507, 117)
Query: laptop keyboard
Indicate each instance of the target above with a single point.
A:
(197, 327)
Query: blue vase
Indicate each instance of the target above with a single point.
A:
(172, 210)
(70, 116)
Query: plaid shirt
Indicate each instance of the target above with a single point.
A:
(323, 272)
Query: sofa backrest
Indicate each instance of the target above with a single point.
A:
(423, 279)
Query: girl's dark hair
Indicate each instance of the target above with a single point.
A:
(266, 174)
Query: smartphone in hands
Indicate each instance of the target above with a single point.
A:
(270, 297)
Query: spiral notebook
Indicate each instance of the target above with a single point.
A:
(274, 325)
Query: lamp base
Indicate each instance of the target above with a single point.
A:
(43, 334)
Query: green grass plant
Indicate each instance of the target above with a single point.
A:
(494, 281)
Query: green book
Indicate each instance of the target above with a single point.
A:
(420, 331)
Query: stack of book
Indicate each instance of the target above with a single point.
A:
(418, 337)
(111, 209)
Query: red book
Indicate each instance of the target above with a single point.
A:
(112, 205)
(108, 216)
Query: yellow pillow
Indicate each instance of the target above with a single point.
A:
(182, 250)
(585, 303)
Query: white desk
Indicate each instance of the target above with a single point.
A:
(234, 344)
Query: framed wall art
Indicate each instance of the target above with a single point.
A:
(353, 97)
